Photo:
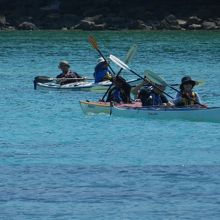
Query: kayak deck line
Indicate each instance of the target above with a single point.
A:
(82, 86)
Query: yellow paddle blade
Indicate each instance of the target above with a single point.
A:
(93, 42)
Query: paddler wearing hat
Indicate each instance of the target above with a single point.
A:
(151, 94)
(66, 74)
(101, 72)
(186, 96)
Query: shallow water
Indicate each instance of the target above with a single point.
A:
(57, 163)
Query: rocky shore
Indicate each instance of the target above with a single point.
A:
(109, 15)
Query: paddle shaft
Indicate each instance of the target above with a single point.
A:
(95, 45)
(110, 86)
(100, 53)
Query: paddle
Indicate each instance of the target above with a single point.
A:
(155, 78)
(130, 55)
(41, 79)
(94, 44)
(132, 51)
(158, 79)
(124, 66)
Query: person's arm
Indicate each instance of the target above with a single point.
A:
(166, 102)
(60, 75)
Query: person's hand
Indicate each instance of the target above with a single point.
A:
(108, 76)
(170, 104)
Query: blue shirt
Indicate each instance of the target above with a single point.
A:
(100, 72)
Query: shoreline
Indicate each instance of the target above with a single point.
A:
(107, 30)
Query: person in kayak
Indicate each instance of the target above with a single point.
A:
(67, 75)
(120, 93)
(101, 72)
(151, 94)
(186, 96)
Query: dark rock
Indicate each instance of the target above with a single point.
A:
(194, 20)
(175, 27)
(195, 27)
(98, 19)
(171, 19)
(85, 25)
(208, 25)
(182, 23)
(217, 22)
(164, 24)
(112, 14)
(89, 25)
(99, 27)
(170, 22)
(139, 24)
(27, 26)
(9, 28)
(155, 24)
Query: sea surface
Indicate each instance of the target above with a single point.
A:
(57, 163)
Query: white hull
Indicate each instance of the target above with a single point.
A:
(190, 114)
(82, 86)
(95, 107)
(77, 86)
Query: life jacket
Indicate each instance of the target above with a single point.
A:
(191, 101)
(156, 99)
(119, 95)
(149, 98)
(69, 74)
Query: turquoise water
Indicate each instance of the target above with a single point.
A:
(57, 163)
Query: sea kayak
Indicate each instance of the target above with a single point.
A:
(134, 110)
(211, 114)
(90, 108)
(82, 86)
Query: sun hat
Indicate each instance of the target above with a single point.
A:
(101, 59)
(187, 80)
(64, 63)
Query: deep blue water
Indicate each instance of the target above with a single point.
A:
(57, 163)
